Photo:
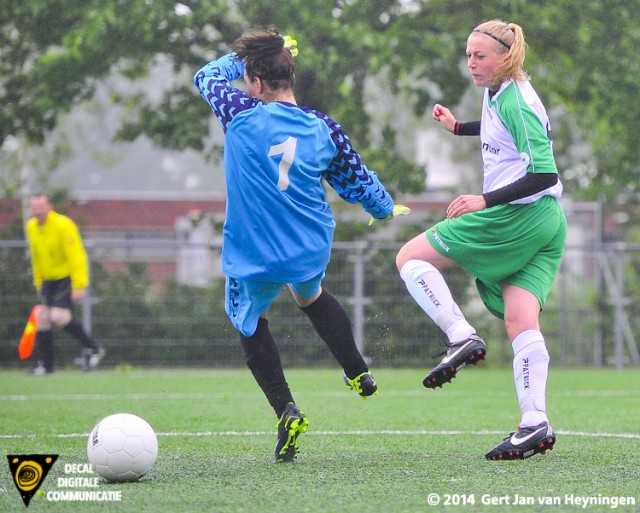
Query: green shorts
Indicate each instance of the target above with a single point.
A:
(517, 244)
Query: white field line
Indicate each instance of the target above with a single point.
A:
(381, 432)
(145, 396)
(213, 395)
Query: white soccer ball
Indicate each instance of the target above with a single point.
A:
(122, 447)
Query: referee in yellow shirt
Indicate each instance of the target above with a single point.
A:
(60, 275)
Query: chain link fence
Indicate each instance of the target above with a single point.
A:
(161, 303)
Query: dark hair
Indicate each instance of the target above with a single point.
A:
(266, 57)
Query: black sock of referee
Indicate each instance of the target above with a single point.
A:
(263, 359)
(44, 341)
(334, 327)
(75, 329)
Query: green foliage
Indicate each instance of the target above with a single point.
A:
(53, 53)
(585, 57)
(145, 323)
(124, 313)
(17, 297)
(397, 174)
(177, 123)
(582, 58)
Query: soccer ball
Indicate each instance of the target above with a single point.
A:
(122, 447)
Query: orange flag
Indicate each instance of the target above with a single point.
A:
(25, 347)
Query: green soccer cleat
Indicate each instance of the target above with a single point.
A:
(291, 425)
(364, 384)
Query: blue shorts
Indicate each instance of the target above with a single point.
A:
(245, 300)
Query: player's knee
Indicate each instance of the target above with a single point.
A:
(42, 315)
(402, 257)
(44, 324)
(60, 316)
(515, 326)
(512, 328)
(43, 319)
(420, 250)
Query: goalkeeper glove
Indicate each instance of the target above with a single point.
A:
(398, 210)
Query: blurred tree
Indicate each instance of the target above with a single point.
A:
(53, 52)
(586, 59)
(582, 58)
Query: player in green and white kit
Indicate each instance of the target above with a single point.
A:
(510, 238)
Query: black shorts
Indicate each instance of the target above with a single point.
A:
(57, 293)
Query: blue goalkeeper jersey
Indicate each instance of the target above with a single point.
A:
(278, 225)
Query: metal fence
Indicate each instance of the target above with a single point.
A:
(161, 303)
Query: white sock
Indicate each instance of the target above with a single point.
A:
(530, 370)
(427, 286)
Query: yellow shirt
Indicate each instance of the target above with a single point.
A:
(57, 251)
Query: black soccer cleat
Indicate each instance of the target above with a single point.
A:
(524, 443)
(470, 351)
(364, 384)
(291, 425)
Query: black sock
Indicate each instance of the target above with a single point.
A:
(334, 327)
(44, 339)
(75, 329)
(263, 359)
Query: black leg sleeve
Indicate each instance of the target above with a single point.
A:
(263, 359)
(334, 327)
(44, 340)
(75, 329)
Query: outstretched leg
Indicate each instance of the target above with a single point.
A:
(427, 286)
(333, 325)
(75, 329)
(62, 317)
(92, 354)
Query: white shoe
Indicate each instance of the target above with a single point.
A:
(40, 370)
(91, 358)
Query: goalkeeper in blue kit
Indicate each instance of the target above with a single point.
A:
(279, 228)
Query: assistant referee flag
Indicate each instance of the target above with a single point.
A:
(25, 347)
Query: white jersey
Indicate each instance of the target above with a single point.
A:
(516, 139)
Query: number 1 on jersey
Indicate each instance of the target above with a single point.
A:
(288, 150)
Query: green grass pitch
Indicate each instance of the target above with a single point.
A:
(386, 454)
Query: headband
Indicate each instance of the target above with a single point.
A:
(501, 41)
